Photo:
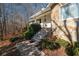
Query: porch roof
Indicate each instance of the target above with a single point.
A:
(42, 12)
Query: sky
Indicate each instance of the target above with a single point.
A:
(23, 8)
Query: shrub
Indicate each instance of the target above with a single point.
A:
(69, 50)
(76, 44)
(44, 43)
(62, 42)
(13, 39)
(76, 51)
(33, 29)
(53, 45)
(29, 34)
(73, 50)
(49, 44)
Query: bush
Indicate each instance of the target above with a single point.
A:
(73, 50)
(62, 42)
(76, 44)
(49, 44)
(69, 50)
(76, 51)
(14, 39)
(33, 29)
(29, 34)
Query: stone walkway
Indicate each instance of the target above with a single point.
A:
(31, 49)
(41, 34)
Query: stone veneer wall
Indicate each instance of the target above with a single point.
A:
(66, 29)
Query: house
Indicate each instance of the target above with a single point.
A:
(63, 17)
(43, 17)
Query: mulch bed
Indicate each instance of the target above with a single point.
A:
(5, 43)
(57, 52)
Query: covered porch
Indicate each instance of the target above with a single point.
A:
(42, 17)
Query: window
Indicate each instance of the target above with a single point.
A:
(69, 11)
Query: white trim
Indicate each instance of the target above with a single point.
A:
(46, 25)
(70, 18)
(60, 14)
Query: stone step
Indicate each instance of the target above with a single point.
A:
(41, 34)
(31, 49)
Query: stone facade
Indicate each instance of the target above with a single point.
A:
(67, 29)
